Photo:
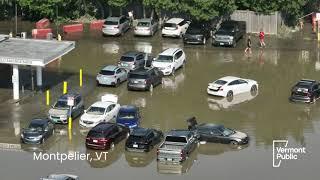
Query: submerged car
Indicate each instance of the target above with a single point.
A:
(175, 27)
(146, 27)
(104, 110)
(60, 111)
(112, 75)
(134, 60)
(144, 79)
(129, 116)
(61, 177)
(105, 135)
(230, 85)
(305, 90)
(197, 33)
(143, 139)
(37, 132)
(115, 26)
(170, 60)
(215, 133)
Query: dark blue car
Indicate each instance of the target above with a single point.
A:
(129, 116)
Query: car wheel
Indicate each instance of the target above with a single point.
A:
(204, 41)
(234, 143)
(230, 96)
(180, 36)
(117, 83)
(151, 87)
(173, 71)
(253, 90)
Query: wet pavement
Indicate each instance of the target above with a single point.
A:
(265, 116)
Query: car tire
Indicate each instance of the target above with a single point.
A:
(234, 143)
(117, 83)
(229, 96)
(173, 71)
(253, 90)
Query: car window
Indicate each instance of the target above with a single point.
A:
(118, 71)
(182, 23)
(178, 55)
(122, 20)
(153, 73)
(241, 81)
(110, 107)
(151, 135)
(315, 87)
(215, 132)
(78, 100)
(235, 82)
(140, 57)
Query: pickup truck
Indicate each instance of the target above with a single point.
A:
(177, 146)
(229, 33)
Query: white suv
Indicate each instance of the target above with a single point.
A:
(170, 60)
(175, 27)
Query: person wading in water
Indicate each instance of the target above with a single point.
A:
(248, 49)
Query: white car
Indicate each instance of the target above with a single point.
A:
(175, 27)
(61, 177)
(100, 111)
(230, 85)
(170, 60)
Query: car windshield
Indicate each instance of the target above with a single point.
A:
(225, 29)
(170, 25)
(61, 104)
(164, 58)
(126, 59)
(220, 82)
(226, 131)
(126, 115)
(95, 134)
(96, 110)
(137, 76)
(36, 126)
(111, 23)
(136, 138)
(176, 139)
(193, 30)
(303, 85)
(143, 24)
(107, 72)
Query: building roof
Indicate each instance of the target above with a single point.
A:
(32, 52)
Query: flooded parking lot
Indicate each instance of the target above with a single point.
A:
(265, 116)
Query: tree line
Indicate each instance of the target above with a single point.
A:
(202, 10)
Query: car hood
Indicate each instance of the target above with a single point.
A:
(239, 135)
(31, 133)
(160, 64)
(92, 117)
(58, 112)
(127, 121)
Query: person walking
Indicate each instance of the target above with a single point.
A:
(261, 37)
(248, 49)
(131, 18)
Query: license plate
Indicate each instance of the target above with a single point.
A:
(135, 81)
(95, 141)
(135, 145)
(169, 159)
(221, 43)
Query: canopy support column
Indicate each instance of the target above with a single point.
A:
(39, 76)
(15, 81)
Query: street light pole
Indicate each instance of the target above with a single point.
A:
(16, 18)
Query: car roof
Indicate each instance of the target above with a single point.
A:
(169, 51)
(132, 53)
(103, 126)
(103, 104)
(179, 132)
(141, 131)
(129, 108)
(175, 20)
(145, 20)
(113, 18)
(110, 68)
(66, 96)
(141, 71)
(229, 78)
(209, 125)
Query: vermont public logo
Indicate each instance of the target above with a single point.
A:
(282, 152)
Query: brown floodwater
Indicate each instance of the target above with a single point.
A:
(266, 116)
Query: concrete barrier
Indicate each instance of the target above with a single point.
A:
(96, 25)
(41, 33)
(73, 28)
(43, 23)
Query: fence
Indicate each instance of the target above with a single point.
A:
(269, 23)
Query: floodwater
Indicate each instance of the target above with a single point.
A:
(266, 116)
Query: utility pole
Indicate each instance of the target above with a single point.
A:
(16, 17)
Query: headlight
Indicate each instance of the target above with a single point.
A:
(169, 67)
(231, 38)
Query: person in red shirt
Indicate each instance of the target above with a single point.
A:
(261, 37)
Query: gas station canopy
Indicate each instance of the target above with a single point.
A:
(18, 51)
(32, 52)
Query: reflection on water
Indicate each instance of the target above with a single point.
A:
(173, 82)
(140, 159)
(177, 168)
(220, 103)
(143, 46)
(214, 149)
(111, 47)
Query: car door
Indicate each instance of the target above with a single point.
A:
(111, 113)
(184, 26)
(115, 134)
(178, 59)
(243, 85)
(118, 75)
(123, 74)
(121, 24)
(140, 60)
(234, 86)
(315, 90)
(75, 108)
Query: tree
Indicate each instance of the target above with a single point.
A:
(118, 4)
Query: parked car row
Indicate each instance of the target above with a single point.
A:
(229, 33)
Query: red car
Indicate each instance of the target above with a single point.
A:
(105, 135)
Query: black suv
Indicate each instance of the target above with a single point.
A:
(144, 79)
(197, 33)
(143, 139)
(229, 33)
(305, 90)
